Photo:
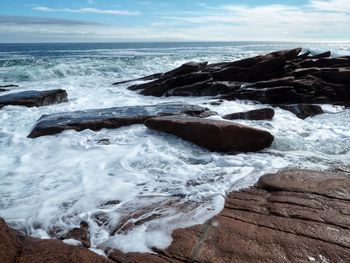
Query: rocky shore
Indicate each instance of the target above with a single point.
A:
(290, 216)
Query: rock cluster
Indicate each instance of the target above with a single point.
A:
(278, 78)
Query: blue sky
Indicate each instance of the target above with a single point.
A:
(177, 20)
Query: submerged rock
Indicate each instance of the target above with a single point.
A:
(34, 98)
(79, 233)
(214, 135)
(290, 216)
(110, 118)
(303, 111)
(259, 114)
(5, 87)
(17, 247)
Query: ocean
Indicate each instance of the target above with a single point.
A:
(141, 184)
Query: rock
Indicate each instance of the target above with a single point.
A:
(17, 247)
(325, 62)
(303, 111)
(339, 77)
(214, 135)
(259, 114)
(33, 98)
(282, 77)
(201, 79)
(215, 103)
(4, 88)
(290, 216)
(112, 117)
(288, 54)
(150, 77)
(321, 55)
(10, 246)
(272, 66)
(79, 233)
(9, 86)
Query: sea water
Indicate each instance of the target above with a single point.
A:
(133, 182)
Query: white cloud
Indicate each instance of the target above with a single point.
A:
(316, 20)
(89, 10)
(331, 5)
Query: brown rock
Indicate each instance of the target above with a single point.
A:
(79, 233)
(10, 246)
(33, 98)
(291, 216)
(16, 247)
(259, 114)
(214, 135)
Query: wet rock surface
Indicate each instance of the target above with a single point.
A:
(259, 114)
(98, 119)
(214, 135)
(291, 216)
(17, 247)
(34, 98)
(282, 77)
(80, 234)
(303, 111)
(7, 87)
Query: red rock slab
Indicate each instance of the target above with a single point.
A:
(290, 216)
(19, 248)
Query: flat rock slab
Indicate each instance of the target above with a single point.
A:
(214, 135)
(34, 98)
(290, 216)
(110, 118)
(259, 114)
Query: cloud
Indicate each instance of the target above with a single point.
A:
(88, 10)
(331, 5)
(316, 20)
(17, 29)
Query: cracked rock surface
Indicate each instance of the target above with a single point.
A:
(291, 216)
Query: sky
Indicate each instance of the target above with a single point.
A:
(24, 21)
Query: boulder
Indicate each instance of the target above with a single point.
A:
(34, 98)
(259, 114)
(17, 247)
(291, 216)
(214, 135)
(303, 111)
(111, 118)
